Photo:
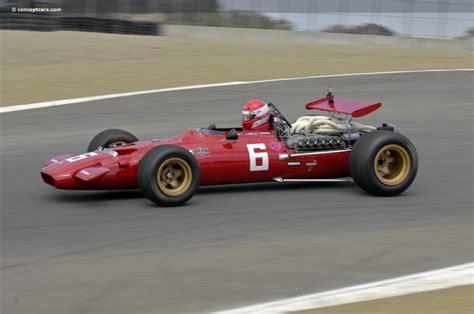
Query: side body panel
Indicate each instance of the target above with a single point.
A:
(253, 157)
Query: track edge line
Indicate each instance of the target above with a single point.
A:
(420, 282)
(71, 101)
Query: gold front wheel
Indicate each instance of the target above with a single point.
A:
(111, 138)
(117, 143)
(168, 175)
(392, 164)
(174, 176)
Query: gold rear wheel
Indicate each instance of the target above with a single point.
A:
(383, 163)
(392, 164)
(174, 176)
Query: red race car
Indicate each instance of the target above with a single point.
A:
(267, 148)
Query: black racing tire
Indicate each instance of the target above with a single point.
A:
(111, 137)
(168, 175)
(383, 163)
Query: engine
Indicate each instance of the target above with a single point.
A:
(312, 142)
(313, 133)
(310, 133)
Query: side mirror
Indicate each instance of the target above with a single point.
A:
(232, 135)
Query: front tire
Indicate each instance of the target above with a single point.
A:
(111, 138)
(383, 163)
(168, 175)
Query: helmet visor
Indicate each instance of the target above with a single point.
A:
(247, 115)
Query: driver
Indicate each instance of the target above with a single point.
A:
(256, 116)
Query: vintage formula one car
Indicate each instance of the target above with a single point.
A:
(268, 148)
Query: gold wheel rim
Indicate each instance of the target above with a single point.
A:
(392, 164)
(117, 143)
(174, 176)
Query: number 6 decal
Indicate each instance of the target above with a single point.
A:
(81, 157)
(263, 156)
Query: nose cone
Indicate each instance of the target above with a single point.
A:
(57, 175)
(59, 171)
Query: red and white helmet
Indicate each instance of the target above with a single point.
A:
(256, 116)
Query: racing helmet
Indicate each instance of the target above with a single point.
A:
(256, 116)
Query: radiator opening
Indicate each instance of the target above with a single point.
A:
(48, 179)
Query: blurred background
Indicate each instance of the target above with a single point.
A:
(417, 18)
(59, 49)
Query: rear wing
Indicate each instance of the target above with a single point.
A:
(353, 108)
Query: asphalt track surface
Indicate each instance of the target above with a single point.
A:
(115, 252)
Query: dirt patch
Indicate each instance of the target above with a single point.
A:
(446, 301)
(41, 66)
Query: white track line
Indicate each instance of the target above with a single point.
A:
(172, 89)
(426, 281)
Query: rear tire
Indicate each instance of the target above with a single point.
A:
(168, 175)
(110, 138)
(383, 163)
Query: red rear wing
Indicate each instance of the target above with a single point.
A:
(345, 106)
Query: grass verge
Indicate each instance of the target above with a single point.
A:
(455, 300)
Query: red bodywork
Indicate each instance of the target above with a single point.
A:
(221, 162)
(253, 157)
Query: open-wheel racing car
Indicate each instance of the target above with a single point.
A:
(268, 148)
